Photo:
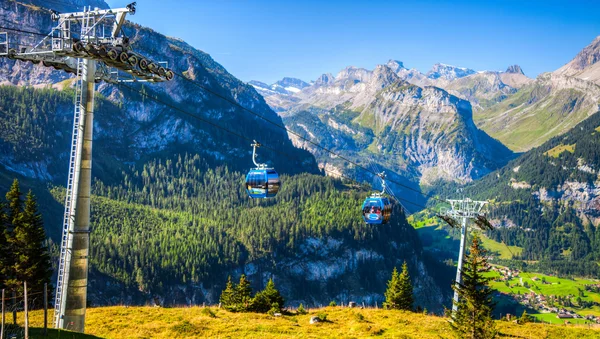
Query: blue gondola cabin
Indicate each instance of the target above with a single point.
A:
(377, 210)
(262, 183)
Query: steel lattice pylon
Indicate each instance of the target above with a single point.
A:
(462, 210)
(79, 44)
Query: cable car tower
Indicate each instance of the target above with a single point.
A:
(90, 44)
(463, 210)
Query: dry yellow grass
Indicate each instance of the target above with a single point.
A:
(148, 322)
(558, 150)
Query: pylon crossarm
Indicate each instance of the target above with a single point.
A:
(115, 50)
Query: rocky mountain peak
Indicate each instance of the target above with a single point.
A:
(257, 83)
(324, 79)
(585, 65)
(588, 56)
(354, 73)
(395, 65)
(448, 72)
(515, 69)
(383, 76)
(292, 82)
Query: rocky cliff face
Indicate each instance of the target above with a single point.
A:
(515, 77)
(481, 89)
(291, 84)
(448, 73)
(586, 64)
(436, 131)
(280, 95)
(409, 75)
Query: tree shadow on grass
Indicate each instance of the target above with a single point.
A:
(505, 335)
(38, 333)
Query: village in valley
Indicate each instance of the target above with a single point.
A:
(550, 299)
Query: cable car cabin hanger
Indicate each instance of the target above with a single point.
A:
(377, 209)
(261, 182)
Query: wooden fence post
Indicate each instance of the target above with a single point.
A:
(45, 310)
(26, 312)
(14, 299)
(3, 318)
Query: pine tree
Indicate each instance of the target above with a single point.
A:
(260, 303)
(399, 294)
(228, 296)
(244, 293)
(32, 260)
(273, 294)
(406, 290)
(391, 294)
(275, 308)
(264, 300)
(473, 317)
(4, 250)
(15, 203)
(13, 218)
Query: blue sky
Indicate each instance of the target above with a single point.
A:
(267, 40)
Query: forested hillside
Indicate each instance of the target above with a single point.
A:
(177, 221)
(173, 224)
(548, 201)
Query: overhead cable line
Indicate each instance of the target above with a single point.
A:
(20, 30)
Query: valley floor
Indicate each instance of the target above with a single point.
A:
(198, 322)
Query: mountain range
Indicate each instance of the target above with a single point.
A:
(419, 134)
(518, 111)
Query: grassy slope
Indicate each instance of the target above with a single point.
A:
(500, 249)
(148, 322)
(435, 235)
(521, 126)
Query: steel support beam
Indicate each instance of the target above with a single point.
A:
(461, 255)
(73, 318)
